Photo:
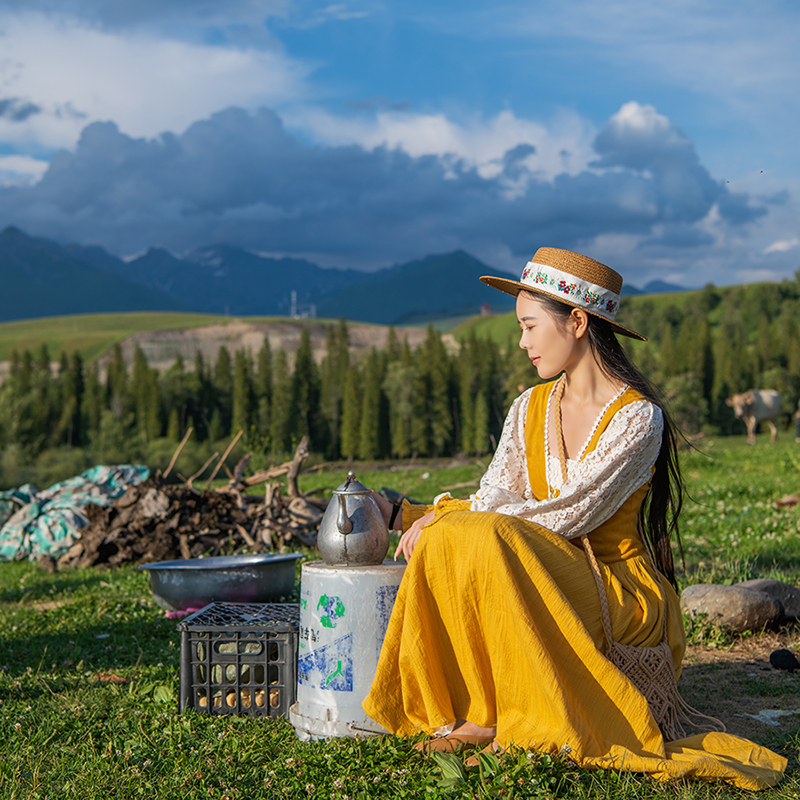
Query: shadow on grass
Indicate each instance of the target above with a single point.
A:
(39, 585)
(100, 646)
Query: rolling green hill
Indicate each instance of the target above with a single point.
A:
(90, 334)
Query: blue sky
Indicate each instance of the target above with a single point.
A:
(658, 137)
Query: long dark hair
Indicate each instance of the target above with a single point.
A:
(658, 515)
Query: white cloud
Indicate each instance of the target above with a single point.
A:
(21, 170)
(562, 148)
(782, 245)
(76, 73)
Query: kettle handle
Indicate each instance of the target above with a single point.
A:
(343, 523)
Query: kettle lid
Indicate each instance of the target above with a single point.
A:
(351, 486)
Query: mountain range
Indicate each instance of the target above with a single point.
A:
(42, 278)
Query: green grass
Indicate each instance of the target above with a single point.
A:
(67, 731)
(730, 526)
(90, 334)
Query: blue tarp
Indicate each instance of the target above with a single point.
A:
(49, 522)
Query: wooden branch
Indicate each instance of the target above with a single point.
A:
(267, 474)
(222, 460)
(300, 455)
(240, 467)
(201, 470)
(178, 451)
(246, 536)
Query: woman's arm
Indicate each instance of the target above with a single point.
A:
(596, 487)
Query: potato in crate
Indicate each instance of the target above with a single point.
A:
(239, 658)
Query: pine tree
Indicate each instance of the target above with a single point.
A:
(263, 387)
(200, 397)
(334, 375)
(467, 387)
(223, 387)
(281, 405)
(398, 385)
(140, 377)
(392, 345)
(117, 383)
(175, 391)
(305, 391)
(434, 368)
(351, 414)
(369, 428)
(174, 425)
(71, 379)
(242, 394)
(668, 356)
(92, 406)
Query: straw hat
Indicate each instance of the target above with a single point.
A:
(573, 279)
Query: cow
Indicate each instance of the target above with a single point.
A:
(754, 406)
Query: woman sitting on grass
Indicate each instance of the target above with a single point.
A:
(498, 635)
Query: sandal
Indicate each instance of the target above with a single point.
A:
(452, 743)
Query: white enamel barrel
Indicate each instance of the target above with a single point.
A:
(344, 613)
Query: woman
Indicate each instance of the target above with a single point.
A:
(497, 634)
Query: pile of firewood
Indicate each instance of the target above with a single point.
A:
(158, 521)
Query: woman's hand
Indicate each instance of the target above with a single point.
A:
(408, 541)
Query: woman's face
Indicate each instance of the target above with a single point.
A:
(551, 346)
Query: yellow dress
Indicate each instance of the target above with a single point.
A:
(497, 621)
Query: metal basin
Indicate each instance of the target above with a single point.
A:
(194, 583)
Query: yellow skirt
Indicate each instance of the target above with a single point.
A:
(497, 621)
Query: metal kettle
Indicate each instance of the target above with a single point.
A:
(352, 531)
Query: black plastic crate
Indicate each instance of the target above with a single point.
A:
(239, 658)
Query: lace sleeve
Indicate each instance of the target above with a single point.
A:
(596, 487)
(507, 474)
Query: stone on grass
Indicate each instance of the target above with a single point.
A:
(784, 659)
(788, 595)
(736, 608)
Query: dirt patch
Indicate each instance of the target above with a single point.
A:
(736, 684)
(162, 347)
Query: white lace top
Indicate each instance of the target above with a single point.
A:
(596, 487)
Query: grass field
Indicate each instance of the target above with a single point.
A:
(91, 335)
(89, 671)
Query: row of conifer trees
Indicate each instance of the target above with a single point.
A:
(392, 402)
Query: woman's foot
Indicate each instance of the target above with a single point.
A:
(465, 735)
(471, 729)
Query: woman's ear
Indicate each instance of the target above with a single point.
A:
(580, 321)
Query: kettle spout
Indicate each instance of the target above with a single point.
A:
(343, 523)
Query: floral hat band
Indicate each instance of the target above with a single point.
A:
(573, 279)
(564, 286)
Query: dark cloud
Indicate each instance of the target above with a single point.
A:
(17, 110)
(239, 177)
(512, 159)
(682, 236)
